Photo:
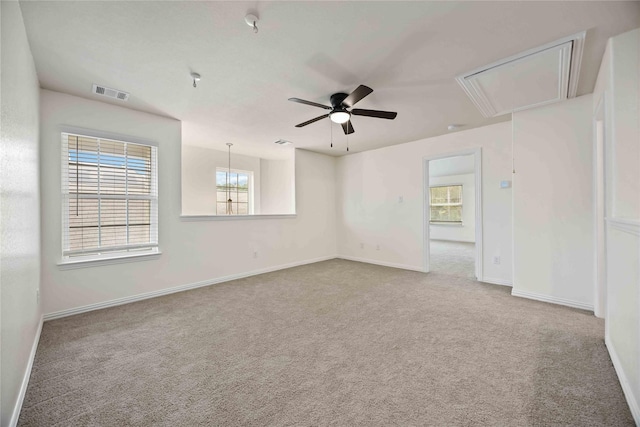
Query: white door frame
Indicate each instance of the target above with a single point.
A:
(600, 208)
(477, 159)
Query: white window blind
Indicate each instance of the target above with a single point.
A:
(109, 196)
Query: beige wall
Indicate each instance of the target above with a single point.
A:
(278, 186)
(20, 210)
(273, 180)
(192, 251)
(199, 178)
(370, 184)
(618, 87)
(553, 236)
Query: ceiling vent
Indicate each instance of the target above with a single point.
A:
(283, 142)
(536, 77)
(110, 93)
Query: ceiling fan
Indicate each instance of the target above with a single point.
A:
(341, 109)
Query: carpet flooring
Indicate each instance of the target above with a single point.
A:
(453, 258)
(331, 343)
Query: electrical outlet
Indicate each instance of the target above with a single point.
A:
(496, 260)
(377, 247)
(255, 254)
(361, 245)
(38, 295)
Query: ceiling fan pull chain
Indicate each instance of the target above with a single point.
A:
(331, 131)
(347, 142)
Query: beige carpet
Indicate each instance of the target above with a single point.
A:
(333, 343)
(453, 258)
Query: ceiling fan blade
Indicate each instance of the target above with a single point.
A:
(308, 122)
(347, 128)
(374, 113)
(313, 104)
(355, 96)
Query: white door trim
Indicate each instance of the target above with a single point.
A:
(599, 208)
(477, 152)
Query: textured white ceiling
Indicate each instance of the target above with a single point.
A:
(408, 52)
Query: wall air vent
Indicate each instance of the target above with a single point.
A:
(110, 93)
(283, 142)
(536, 77)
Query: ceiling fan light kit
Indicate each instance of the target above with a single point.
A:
(340, 117)
(339, 110)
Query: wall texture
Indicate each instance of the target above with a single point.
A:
(278, 186)
(553, 236)
(20, 209)
(370, 185)
(192, 251)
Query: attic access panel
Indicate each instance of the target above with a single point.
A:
(536, 77)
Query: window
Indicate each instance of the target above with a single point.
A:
(236, 186)
(446, 203)
(110, 197)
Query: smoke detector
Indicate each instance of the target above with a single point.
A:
(251, 20)
(110, 93)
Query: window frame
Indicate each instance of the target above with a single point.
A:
(250, 193)
(461, 204)
(113, 253)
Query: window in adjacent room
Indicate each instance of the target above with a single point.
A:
(237, 186)
(446, 204)
(109, 197)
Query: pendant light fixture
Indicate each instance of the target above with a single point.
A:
(229, 200)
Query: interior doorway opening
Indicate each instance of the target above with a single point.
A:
(453, 215)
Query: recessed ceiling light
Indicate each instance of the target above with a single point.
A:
(454, 127)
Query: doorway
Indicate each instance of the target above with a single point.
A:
(453, 214)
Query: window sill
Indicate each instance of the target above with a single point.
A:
(234, 217)
(107, 260)
(448, 224)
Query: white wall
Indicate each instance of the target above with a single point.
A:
(457, 165)
(199, 177)
(553, 202)
(618, 85)
(19, 209)
(278, 186)
(454, 232)
(370, 184)
(192, 251)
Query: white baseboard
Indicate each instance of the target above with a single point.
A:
(172, 290)
(553, 300)
(624, 382)
(13, 422)
(383, 263)
(500, 282)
